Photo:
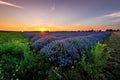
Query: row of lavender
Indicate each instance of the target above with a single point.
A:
(39, 40)
(64, 48)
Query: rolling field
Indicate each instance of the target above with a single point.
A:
(59, 55)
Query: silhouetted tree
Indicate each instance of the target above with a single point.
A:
(118, 30)
(108, 30)
(112, 30)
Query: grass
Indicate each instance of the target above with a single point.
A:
(113, 43)
(17, 61)
(8, 36)
(112, 70)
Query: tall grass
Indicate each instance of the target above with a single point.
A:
(97, 58)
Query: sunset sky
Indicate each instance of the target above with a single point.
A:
(59, 15)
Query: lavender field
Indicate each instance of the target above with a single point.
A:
(59, 39)
(55, 55)
(64, 49)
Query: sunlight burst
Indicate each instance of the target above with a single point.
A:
(43, 29)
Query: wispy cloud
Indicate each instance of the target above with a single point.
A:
(107, 19)
(115, 14)
(111, 15)
(10, 4)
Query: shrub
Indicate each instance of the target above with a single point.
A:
(96, 59)
(18, 62)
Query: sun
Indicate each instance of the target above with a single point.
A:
(42, 30)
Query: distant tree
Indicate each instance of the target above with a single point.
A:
(91, 30)
(112, 30)
(118, 30)
(108, 30)
(99, 31)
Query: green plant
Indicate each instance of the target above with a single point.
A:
(98, 56)
(55, 73)
(18, 62)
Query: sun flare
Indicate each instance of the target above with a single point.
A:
(43, 29)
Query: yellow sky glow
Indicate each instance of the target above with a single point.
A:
(42, 29)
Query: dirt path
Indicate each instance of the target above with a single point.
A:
(112, 70)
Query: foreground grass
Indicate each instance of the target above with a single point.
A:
(112, 70)
(113, 42)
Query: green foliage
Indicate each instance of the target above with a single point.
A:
(17, 61)
(55, 74)
(74, 74)
(98, 55)
(97, 58)
(8, 36)
(58, 73)
(14, 48)
(33, 67)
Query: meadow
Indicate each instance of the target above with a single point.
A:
(59, 55)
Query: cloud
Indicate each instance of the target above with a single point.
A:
(10, 4)
(111, 15)
(115, 14)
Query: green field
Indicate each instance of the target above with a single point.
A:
(114, 43)
(8, 36)
(112, 70)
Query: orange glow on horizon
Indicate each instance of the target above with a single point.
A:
(43, 29)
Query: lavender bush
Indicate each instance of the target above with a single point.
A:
(63, 47)
(66, 50)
